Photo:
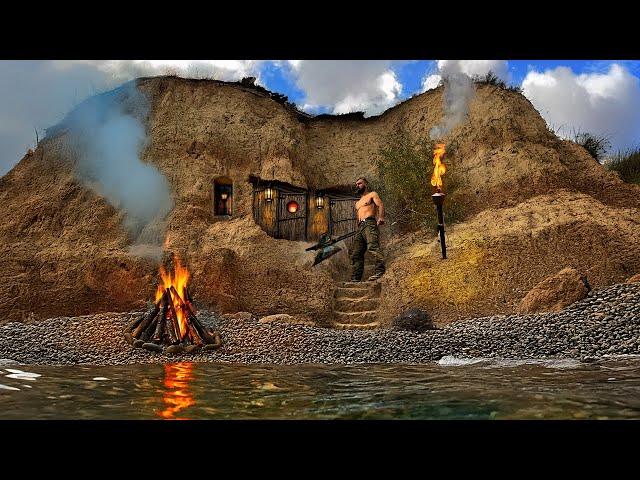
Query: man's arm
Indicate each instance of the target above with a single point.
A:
(378, 201)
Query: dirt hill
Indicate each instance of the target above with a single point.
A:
(534, 204)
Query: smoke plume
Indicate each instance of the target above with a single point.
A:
(107, 137)
(458, 90)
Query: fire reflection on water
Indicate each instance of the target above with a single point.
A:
(177, 395)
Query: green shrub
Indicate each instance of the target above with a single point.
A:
(596, 145)
(492, 79)
(489, 79)
(627, 164)
(404, 170)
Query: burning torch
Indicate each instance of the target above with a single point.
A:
(439, 170)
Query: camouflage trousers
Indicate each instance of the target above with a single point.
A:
(367, 238)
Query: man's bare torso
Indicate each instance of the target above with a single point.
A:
(365, 206)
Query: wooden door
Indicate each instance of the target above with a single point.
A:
(292, 224)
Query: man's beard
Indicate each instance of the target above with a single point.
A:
(361, 190)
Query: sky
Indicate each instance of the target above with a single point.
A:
(597, 96)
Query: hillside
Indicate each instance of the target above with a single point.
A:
(534, 204)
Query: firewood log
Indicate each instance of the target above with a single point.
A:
(202, 332)
(174, 318)
(185, 305)
(151, 328)
(210, 337)
(157, 334)
(168, 324)
(147, 320)
(172, 337)
(169, 327)
(135, 322)
(169, 334)
(195, 337)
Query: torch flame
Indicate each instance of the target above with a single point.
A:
(439, 168)
(179, 282)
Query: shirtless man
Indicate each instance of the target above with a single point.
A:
(370, 212)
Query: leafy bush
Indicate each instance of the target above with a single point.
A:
(596, 145)
(492, 79)
(489, 79)
(404, 170)
(627, 164)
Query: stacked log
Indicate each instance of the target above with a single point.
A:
(157, 329)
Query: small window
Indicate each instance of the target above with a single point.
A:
(223, 196)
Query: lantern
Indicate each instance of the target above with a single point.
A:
(319, 202)
(268, 194)
(292, 206)
(224, 196)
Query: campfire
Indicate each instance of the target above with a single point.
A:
(170, 325)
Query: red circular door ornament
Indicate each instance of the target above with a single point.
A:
(292, 206)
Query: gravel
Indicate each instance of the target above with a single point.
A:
(606, 323)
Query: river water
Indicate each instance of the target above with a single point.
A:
(450, 389)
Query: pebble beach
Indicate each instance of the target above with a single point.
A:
(606, 323)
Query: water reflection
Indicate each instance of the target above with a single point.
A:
(177, 394)
(495, 389)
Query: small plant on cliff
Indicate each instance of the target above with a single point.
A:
(627, 164)
(596, 145)
(492, 79)
(489, 79)
(404, 169)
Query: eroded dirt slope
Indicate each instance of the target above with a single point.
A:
(534, 204)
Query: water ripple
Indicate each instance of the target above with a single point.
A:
(454, 388)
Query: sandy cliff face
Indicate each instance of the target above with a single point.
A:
(535, 204)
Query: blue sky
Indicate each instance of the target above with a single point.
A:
(411, 73)
(598, 96)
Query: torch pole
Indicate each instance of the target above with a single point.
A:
(438, 199)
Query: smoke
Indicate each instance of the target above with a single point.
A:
(107, 137)
(458, 90)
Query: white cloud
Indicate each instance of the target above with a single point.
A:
(122, 70)
(599, 103)
(37, 94)
(345, 86)
(430, 81)
(500, 68)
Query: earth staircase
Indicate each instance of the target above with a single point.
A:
(355, 304)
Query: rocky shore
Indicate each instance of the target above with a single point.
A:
(606, 323)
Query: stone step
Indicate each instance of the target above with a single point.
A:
(363, 284)
(360, 304)
(356, 326)
(355, 317)
(341, 292)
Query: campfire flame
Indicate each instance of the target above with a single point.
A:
(179, 281)
(439, 168)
